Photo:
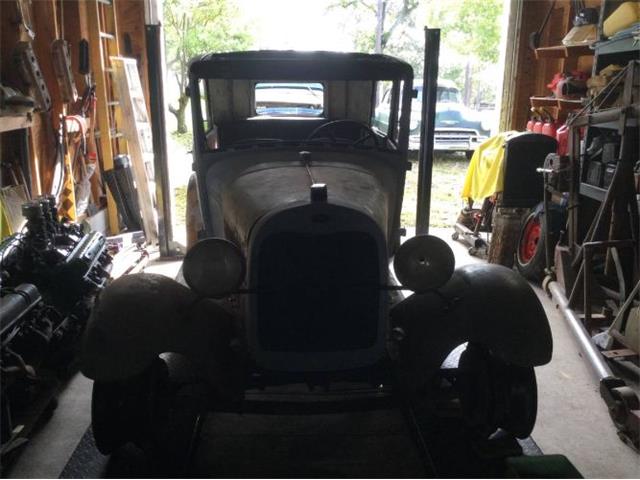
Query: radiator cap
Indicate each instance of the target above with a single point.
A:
(424, 263)
(318, 192)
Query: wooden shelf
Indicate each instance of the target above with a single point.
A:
(561, 51)
(562, 104)
(14, 122)
(537, 102)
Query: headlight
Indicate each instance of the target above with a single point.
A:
(424, 263)
(213, 267)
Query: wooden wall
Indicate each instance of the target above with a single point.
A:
(526, 76)
(50, 18)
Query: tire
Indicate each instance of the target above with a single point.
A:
(122, 411)
(494, 394)
(177, 430)
(469, 154)
(530, 252)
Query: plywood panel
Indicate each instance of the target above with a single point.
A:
(131, 30)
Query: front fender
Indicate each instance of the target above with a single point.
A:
(138, 317)
(486, 304)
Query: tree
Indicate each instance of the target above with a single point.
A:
(470, 35)
(385, 26)
(470, 29)
(193, 28)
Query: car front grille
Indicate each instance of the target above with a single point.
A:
(454, 136)
(318, 293)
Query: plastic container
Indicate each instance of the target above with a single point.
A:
(622, 17)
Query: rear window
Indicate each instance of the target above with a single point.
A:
(289, 99)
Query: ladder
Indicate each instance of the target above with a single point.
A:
(103, 44)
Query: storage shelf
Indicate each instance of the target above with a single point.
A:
(618, 46)
(609, 118)
(14, 122)
(561, 51)
(591, 191)
(563, 105)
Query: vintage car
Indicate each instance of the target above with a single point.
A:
(296, 273)
(457, 127)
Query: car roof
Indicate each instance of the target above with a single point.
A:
(295, 65)
(443, 83)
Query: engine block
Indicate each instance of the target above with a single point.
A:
(50, 274)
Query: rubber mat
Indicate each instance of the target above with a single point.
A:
(374, 444)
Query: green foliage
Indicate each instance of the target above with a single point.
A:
(471, 27)
(184, 139)
(193, 28)
(470, 33)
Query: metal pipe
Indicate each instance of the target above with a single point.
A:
(600, 368)
(429, 99)
(469, 236)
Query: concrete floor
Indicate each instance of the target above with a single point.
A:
(572, 418)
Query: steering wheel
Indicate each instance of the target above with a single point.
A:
(329, 129)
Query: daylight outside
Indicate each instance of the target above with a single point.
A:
(470, 73)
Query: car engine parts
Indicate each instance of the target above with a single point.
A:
(50, 273)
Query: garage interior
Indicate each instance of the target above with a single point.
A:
(85, 179)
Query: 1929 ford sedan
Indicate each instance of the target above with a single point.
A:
(298, 275)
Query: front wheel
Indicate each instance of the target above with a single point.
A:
(495, 394)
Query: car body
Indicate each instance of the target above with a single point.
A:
(457, 128)
(287, 279)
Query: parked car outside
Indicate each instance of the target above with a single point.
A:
(458, 128)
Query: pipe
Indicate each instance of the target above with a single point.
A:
(600, 368)
(469, 237)
(429, 100)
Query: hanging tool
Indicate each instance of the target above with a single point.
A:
(534, 37)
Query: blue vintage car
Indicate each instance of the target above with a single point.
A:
(458, 128)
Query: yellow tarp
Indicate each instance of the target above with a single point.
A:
(485, 172)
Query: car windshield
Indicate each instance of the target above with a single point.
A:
(289, 99)
(444, 94)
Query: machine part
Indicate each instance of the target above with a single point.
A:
(494, 394)
(624, 320)
(14, 304)
(62, 69)
(474, 240)
(27, 65)
(424, 263)
(214, 267)
(621, 401)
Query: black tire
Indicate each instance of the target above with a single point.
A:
(531, 262)
(122, 411)
(177, 430)
(494, 394)
(469, 154)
